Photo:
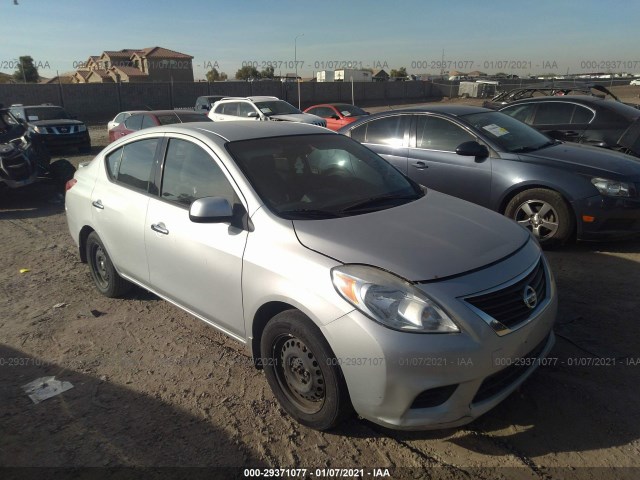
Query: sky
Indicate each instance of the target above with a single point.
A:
(519, 37)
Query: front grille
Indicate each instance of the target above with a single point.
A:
(433, 397)
(63, 129)
(507, 305)
(500, 381)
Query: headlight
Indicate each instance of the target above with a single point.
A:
(41, 130)
(612, 188)
(390, 300)
(82, 128)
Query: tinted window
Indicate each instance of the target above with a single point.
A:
(582, 115)
(137, 162)
(520, 112)
(554, 113)
(168, 119)
(244, 109)
(324, 112)
(147, 121)
(385, 131)
(350, 110)
(191, 173)
(193, 117)
(229, 108)
(134, 122)
(435, 133)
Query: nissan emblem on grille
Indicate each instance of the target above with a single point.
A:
(530, 297)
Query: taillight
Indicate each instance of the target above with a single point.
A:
(69, 184)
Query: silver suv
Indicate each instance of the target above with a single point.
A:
(260, 108)
(349, 284)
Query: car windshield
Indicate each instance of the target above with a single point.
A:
(350, 110)
(46, 113)
(320, 176)
(510, 134)
(276, 107)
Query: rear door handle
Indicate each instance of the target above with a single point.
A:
(160, 228)
(420, 165)
(98, 204)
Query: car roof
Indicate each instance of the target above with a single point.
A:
(166, 112)
(455, 110)
(234, 131)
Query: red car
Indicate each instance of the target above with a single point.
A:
(154, 118)
(337, 115)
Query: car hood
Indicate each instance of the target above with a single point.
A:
(299, 117)
(431, 238)
(59, 121)
(588, 160)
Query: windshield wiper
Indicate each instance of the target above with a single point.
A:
(372, 202)
(300, 213)
(533, 149)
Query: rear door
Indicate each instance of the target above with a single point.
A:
(388, 137)
(119, 204)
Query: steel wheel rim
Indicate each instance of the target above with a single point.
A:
(100, 260)
(299, 374)
(539, 217)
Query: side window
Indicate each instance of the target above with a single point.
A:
(436, 133)
(113, 163)
(168, 119)
(134, 122)
(136, 163)
(245, 108)
(119, 118)
(582, 115)
(323, 112)
(554, 113)
(230, 108)
(385, 131)
(147, 122)
(191, 173)
(519, 112)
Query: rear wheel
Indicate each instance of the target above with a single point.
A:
(545, 213)
(104, 274)
(303, 372)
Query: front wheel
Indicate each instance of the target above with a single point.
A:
(104, 274)
(303, 372)
(545, 213)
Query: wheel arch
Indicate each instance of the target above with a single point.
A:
(262, 316)
(517, 189)
(82, 242)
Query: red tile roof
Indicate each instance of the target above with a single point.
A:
(129, 71)
(162, 53)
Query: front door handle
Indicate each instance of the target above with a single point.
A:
(160, 228)
(98, 204)
(420, 165)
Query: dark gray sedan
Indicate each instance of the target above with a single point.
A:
(559, 191)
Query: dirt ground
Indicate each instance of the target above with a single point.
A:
(155, 387)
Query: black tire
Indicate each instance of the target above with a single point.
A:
(104, 275)
(545, 213)
(302, 372)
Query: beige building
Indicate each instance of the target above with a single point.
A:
(153, 64)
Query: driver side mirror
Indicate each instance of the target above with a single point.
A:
(210, 210)
(253, 115)
(335, 117)
(472, 149)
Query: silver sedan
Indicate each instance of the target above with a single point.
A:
(353, 287)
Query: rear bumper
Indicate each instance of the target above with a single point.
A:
(613, 217)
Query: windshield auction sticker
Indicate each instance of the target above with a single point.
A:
(495, 130)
